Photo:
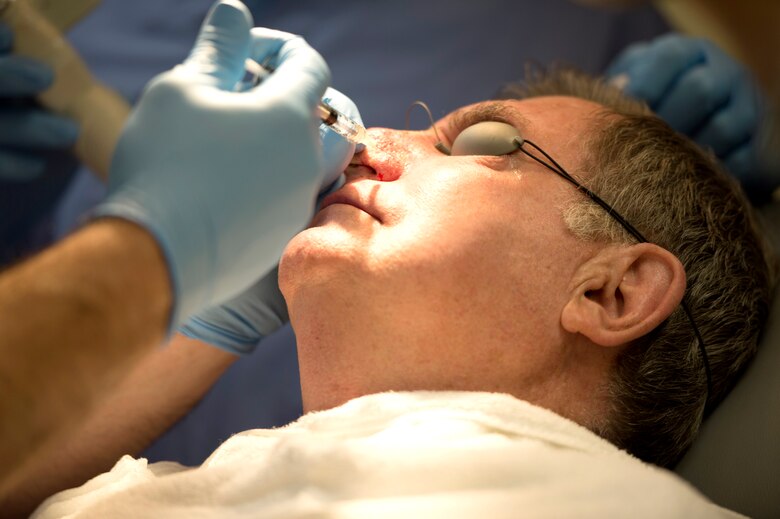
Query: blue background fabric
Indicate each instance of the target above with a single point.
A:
(384, 55)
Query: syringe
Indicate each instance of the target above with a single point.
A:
(348, 128)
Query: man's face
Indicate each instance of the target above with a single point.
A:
(428, 271)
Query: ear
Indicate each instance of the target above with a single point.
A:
(623, 293)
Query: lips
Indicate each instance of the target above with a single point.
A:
(349, 196)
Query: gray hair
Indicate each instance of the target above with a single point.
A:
(677, 195)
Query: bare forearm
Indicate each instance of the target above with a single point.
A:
(75, 319)
(161, 389)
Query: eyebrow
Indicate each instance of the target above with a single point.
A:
(487, 111)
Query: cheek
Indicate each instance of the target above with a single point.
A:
(450, 230)
(486, 229)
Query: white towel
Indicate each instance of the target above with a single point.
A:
(420, 454)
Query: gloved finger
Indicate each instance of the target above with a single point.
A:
(17, 166)
(695, 97)
(337, 151)
(33, 128)
(21, 76)
(266, 44)
(653, 69)
(742, 164)
(626, 59)
(240, 323)
(342, 103)
(299, 71)
(733, 125)
(222, 46)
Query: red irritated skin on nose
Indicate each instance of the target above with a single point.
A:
(383, 156)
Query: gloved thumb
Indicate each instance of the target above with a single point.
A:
(222, 46)
(336, 150)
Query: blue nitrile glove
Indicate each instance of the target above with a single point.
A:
(337, 151)
(701, 92)
(26, 130)
(223, 179)
(240, 323)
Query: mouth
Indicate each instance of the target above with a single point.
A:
(344, 197)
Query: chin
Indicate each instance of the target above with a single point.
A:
(317, 257)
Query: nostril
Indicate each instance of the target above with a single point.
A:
(383, 154)
(358, 170)
(356, 160)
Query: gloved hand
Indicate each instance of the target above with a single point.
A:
(337, 151)
(699, 91)
(223, 179)
(240, 323)
(25, 129)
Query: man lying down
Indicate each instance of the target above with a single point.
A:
(478, 338)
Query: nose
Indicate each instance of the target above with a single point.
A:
(388, 153)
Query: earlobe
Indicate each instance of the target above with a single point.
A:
(624, 293)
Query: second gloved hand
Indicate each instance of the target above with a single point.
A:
(701, 92)
(26, 130)
(239, 324)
